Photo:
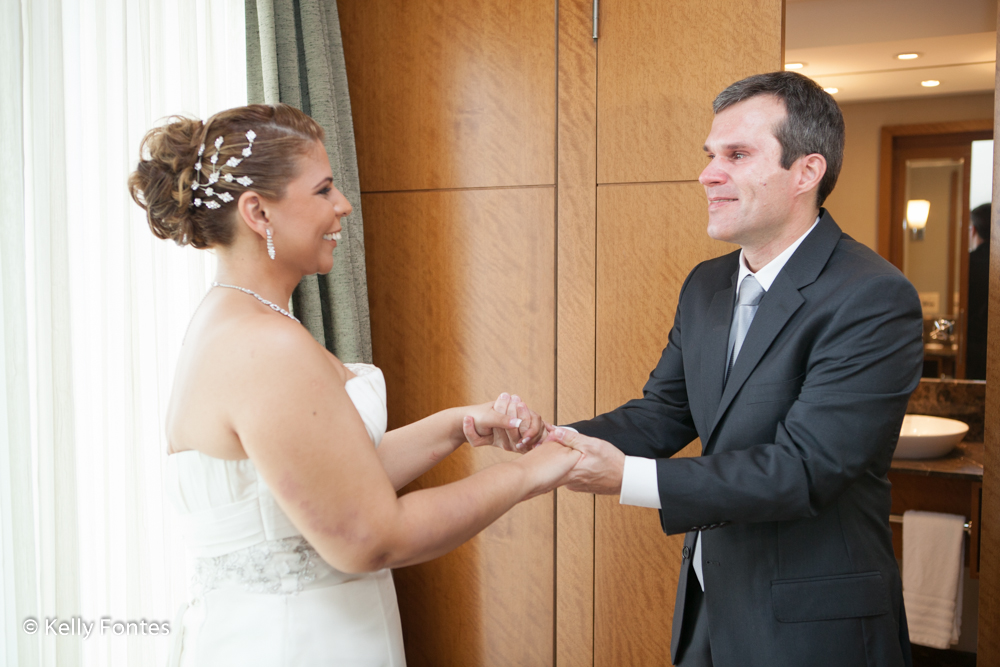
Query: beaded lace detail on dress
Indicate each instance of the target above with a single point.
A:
(275, 566)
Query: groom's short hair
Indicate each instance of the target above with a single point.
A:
(813, 121)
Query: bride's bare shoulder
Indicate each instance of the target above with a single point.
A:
(270, 347)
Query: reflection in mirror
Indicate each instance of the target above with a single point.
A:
(980, 195)
(932, 247)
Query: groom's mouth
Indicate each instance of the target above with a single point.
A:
(719, 202)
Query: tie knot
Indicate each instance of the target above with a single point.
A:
(750, 292)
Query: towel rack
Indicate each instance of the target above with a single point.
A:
(898, 518)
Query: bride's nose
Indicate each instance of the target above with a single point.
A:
(342, 206)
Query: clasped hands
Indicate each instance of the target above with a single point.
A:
(601, 464)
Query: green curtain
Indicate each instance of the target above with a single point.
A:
(295, 55)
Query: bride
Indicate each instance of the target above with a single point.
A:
(279, 465)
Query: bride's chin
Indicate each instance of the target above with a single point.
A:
(325, 267)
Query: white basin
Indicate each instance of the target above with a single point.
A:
(926, 437)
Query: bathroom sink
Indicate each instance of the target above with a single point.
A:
(926, 437)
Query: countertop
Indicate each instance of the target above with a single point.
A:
(964, 462)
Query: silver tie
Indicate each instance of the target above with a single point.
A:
(746, 307)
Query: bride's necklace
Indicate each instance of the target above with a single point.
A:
(273, 306)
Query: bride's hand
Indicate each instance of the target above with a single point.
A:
(506, 423)
(532, 429)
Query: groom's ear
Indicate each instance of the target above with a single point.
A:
(811, 169)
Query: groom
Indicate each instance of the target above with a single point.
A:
(792, 360)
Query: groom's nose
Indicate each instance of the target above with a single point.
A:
(713, 174)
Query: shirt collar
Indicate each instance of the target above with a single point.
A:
(767, 273)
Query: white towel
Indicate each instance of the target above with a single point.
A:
(933, 565)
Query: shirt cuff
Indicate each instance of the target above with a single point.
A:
(639, 483)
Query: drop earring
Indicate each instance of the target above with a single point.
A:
(270, 243)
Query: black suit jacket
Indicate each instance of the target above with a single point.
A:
(979, 303)
(791, 489)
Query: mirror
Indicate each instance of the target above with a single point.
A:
(938, 179)
(932, 253)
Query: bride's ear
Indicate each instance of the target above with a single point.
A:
(254, 213)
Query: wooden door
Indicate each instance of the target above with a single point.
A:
(461, 313)
(660, 66)
(453, 103)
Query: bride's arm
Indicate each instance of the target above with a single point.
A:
(296, 422)
(410, 451)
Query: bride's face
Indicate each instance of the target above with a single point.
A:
(308, 215)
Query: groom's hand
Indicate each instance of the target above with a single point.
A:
(600, 468)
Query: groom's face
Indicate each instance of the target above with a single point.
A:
(749, 193)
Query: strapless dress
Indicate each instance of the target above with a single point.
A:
(260, 594)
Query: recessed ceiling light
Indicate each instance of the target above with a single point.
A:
(930, 83)
(832, 91)
(907, 56)
(789, 66)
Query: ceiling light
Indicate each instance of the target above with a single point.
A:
(930, 83)
(832, 91)
(789, 66)
(907, 56)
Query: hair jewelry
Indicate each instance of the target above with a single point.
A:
(216, 173)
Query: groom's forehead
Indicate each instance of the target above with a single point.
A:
(734, 128)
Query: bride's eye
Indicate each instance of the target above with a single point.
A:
(325, 191)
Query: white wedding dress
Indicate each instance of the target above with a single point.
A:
(261, 595)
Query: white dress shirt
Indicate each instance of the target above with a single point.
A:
(639, 485)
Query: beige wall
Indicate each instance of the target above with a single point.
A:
(854, 202)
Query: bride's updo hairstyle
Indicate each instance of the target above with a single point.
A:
(259, 150)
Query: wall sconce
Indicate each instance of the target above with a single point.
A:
(917, 211)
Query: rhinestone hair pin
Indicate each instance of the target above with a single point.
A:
(213, 178)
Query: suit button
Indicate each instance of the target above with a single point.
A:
(686, 553)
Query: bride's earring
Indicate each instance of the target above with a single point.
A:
(270, 243)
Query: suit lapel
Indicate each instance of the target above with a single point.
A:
(716, 338)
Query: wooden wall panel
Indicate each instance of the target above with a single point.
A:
(451, 93)
(661, 65)
(576, 313)
(649, 237)
(462, 293)
(989, 547)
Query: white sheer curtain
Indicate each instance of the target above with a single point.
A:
(93, 311)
